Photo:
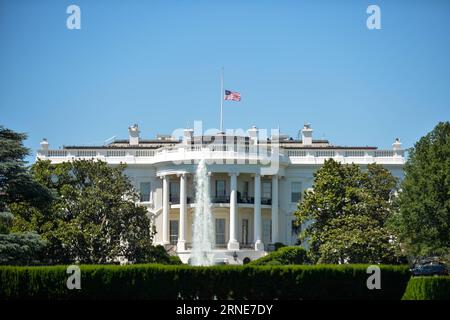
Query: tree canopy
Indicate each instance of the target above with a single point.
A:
(344, 216)
(94, 217)
(16, 184)
(81, 211)
(423, 222)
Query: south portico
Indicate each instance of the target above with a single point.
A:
(237, 203)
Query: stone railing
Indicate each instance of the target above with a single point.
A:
(361, 156)
(94, 153)
(216, 152)
(343, 153)
(241, 154)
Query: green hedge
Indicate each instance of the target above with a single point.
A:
(428, 288)
(283, 256)
(186, 282)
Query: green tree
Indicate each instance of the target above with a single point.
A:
(94, 217)
(345, 215)
(283, 256)
(17, 185)
(22, 249)
(423, 221)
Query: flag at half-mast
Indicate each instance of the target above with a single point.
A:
(231, 95)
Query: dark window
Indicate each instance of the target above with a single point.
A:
(173, 231)
(220, 188)
(296, 189)
(245, 232)
(175, 192)
(220, 231)
(267, 231)
(246, 189)
(266, 190)
(144, 191)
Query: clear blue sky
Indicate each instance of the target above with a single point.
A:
(157, 63)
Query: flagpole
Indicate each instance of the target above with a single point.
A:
(221, 101)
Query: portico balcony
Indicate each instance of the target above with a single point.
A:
(251, 200)
(175, 200)
(225, 194)
(220, 199)
(242, 246)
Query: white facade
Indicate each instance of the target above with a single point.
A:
(255, 183)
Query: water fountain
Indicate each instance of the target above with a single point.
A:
(203, 228)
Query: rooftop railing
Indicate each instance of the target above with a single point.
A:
(344, 153)
(93, 153)
(187, 152)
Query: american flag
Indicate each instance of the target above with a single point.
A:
(230, 95)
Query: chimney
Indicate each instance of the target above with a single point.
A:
(133, 132)
(44, 144)
(307, 134)
(188, 135)
(397, 147)
(253, 133)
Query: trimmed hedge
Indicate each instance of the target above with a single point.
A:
(428, 288)
(187, 282)
(283, 256)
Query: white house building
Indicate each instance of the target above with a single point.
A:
(255, 182)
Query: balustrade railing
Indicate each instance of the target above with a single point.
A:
(115, 153)
(220, 199)
(225, 150)
(344, 153)
(384, 153)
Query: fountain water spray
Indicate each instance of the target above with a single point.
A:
(203, 228)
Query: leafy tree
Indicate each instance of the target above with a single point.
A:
(158, 254)
(283, 256)
(6, 219)
(21, 249)
(345, 215)
(423, 222)
(94, 217)
(84, 210)
(16, 183)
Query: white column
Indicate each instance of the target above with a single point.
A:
(233, 244)
(259, 246)
(275, 237)
(181, 244)
(165, 231)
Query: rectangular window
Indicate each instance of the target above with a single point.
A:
(267, 231)
(174, 192)
(220, 232)
(144, 191)
(220, 188)
(246, 189)
(173, 226)
(266, 192)
(245, 232)
(296, 191)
